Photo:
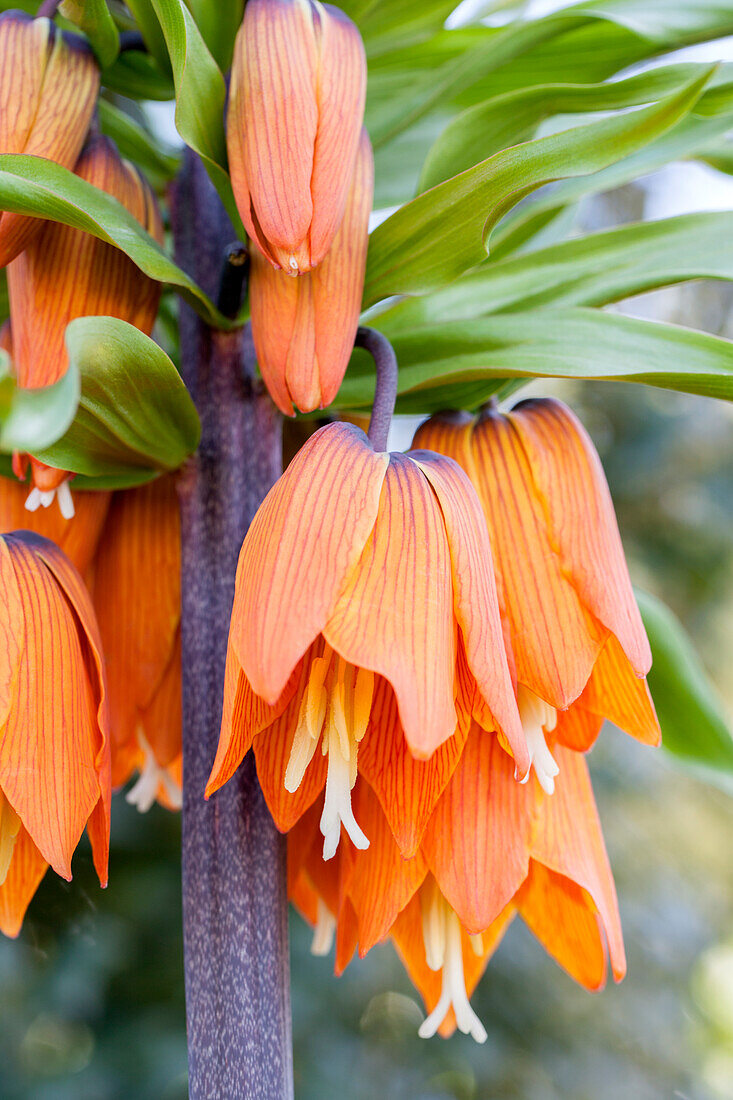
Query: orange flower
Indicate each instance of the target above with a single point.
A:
(77, 538)
(304, 328)
(365, 622)
(575, 630)
(493, 848)
(296, 105)
(63, 274)
(48, 87)
(137, 596)
(54, 744)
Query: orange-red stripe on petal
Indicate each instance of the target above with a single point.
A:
(77, 537)
(27, 868)
(395, 613)
(615, 691)
(300, 550)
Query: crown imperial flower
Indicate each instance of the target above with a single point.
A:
(48, 88)
(296, 105)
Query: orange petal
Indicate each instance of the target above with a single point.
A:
(570, 482)
(301, 838)
(477, 843)
(27, 868)
(12, 633)
(50, 750)
(408, 789)
(48, 90)
(347, 931)
(302, 546)
(65, 273)
(395, 613)
(563, 918)
(617, 693)
(304, 328)
(382, 881)
(555, 638)
(474, 595)
(569, 841)
(77, 537)
(577, 728)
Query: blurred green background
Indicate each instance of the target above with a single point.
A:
(91, 1001)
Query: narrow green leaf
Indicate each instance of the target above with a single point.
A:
(691, 715)
(137, 144)
(134, 411)
(137, 75)
(94, 19)
(218, 24)
(149, 27)
(32, 185)
(445, 231)
(460, 365)
(35, 418)
(200, 97)
(587, 271)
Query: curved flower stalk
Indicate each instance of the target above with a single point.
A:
(296, 105)
(137, 597)
(304, 329)
(77, 538)
(493, 848)
(54, 740)
(65, 273)
(574, 627)
(48, 88)
(365, 628)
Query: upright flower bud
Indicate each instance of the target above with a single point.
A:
(48, 87)
(54, 749)
(296, 106)
(304, 328)
(65, 273)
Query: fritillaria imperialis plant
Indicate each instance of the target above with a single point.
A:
(370, 682)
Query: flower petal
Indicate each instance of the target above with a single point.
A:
(477, 843)
(616, 692)
(302, 545)
(27, 868)
(77, 537)
(475, 599)
(395, 614)
(569, 841)
(571, 483)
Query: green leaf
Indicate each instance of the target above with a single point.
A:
(32, 185)
(460, 365)
(149, 27)
(218, 23)
(691, 715)
(134, 411)
(94, 19)
(35, 418)
(389, 24)
(137, 144)
(439, 235)
(137, 75)
(200, 97)
(588, 271)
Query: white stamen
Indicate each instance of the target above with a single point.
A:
(324, 931)
(37, 499)
(337, 809)
(292, 266)
(144, 791)
(450, 962)
(537, 718)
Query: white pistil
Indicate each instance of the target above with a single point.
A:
(444, 952)
(324, 931)
(334, 709)
(293, 266)
(538, 718)
(37, 499)
(144, 791)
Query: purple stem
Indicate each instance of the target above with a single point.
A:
(385, 393)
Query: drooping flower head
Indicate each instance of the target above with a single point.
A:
(137, 597)
(296, 105)
(575, 630)
(365, 625)
(65, 273)
(54, 742)
(304, 328)
(48, 87)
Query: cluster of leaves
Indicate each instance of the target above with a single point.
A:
(488, 136)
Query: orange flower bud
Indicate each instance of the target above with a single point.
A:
(54, 749)
(296, 106)
(65, 273)
(304, 328)
(48, 87)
